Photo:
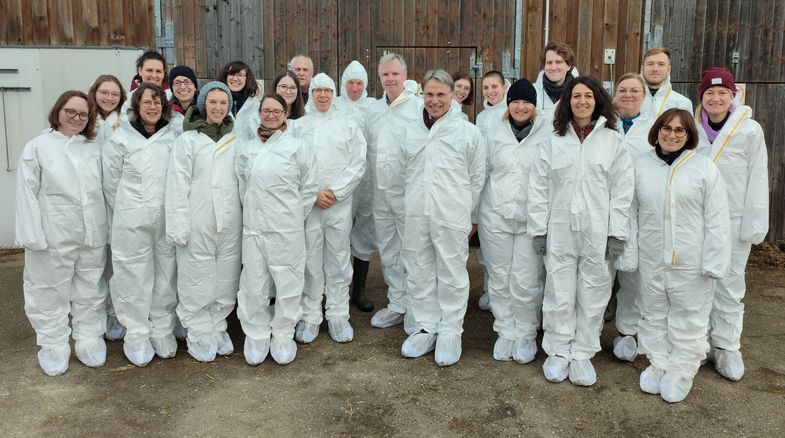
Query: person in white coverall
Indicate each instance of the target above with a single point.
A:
(516, 274)
(660, 96)
(443, 164)
(354, 98)
(204, 221)
(681, 212)
(388, 120)
(580, 192)
(634, 127)
(277, 179)
(558, 70)
(734, 141)
(339, 146)
(61, 223)
(143, 287)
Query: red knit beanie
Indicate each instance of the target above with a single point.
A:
(716, 76)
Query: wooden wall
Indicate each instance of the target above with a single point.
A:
(706, 33)
(77, 22)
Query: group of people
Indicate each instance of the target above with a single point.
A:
(149, 215)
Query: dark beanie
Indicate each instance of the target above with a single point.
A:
(716, 76)
(183, 70)
(522, 89)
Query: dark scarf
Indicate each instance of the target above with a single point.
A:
(426, 118)
(520, 131)
(718, 126)
(266, 133)
(195, 122)
(139, 126)
(554, 91)
(653, 91)
(669, 159)
(238, 100)
(626, 122)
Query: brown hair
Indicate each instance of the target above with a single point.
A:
(298, 106)
(100, 80)
(54, 113)
(493, 73)
(562, 50)
(166, 107)
(656, 51)
(251, 86)
(603, 106)
(469, 97)
(686, 120)
(276, 97)
(631, 75)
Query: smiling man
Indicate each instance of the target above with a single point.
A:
(443, 163)
(302, 66)
(656, 71)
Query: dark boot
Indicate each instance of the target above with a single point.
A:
(358, 285)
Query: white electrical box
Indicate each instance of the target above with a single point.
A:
(610, 57)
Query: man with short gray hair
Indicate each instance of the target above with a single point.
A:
(443, 164)
(302, 66)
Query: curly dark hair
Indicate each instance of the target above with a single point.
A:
(603, 105)
(251, 88)
(166, 108)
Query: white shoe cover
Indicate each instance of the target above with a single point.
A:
(650, 380)
(165, 347)
(448, 350)
(674, 387)
(502, 349)
(255, 351)
(139, 353)
(386, 318)
(582, 373)
(305, 332)
(202, 349)
(729, 364)
(91, 352)
(556, 369)
(283, 351)
(340, 330)
(418, 344)
(180, 332)
(485, 301)
(54, 360)
(409, 326)
(625, 348)
(224, 345)
(114, 330)
(524, 350)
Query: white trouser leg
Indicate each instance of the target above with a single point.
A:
(227, 277)
(690, 297)
(88, 302)
(593, 294)
(389, 229)
(337, 261)
(286, 255)
(727, 315)
(527, 280)
(48, 276)
(452, 279)
(313, 290)
(498, 254)
(419, 257)
(131, 284)
(196, 285)
(164, 299)
(653, 339)
(253, 297)
(558, 305)
(627, 312)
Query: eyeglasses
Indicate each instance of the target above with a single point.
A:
(183, 83)
(105, 94)
(72, 114)
(275, 112)
(290, 89)
(631, 91)
(239, 75)
(679, 132)
(151, 103)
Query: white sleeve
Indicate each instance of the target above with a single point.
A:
(477, 171)
(716, 238)
(354, 171)
(537, 206)
(29, 228)
(755, 219)
(622, 189)
(178, 186)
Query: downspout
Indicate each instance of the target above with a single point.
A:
(546, 27)
(517, 53)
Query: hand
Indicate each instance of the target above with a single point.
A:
(538, 243)
(325, 198)
(614, 249)
(472, 231)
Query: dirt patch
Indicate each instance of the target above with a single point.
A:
(768, 255)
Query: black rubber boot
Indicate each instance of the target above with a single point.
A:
(358, 285)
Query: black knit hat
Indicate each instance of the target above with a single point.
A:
(182, 70)
(522, 89)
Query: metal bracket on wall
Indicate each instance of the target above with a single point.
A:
(507, 69)
(475, 68)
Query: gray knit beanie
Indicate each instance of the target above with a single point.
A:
(206, 89)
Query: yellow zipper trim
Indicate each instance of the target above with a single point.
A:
(664, 99)
(689, 155)
(727, 139)
(218, 149)
(398, 102)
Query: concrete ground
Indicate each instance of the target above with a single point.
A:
(365, 388)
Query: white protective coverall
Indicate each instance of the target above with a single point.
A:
(143, 287)
(544, 103)
(362, 236)
(387, 125)
(278, 187)
(443, 174)
(516, 274)
(684, 243)
(246, 121)
(664, 99)
(579, 196)
(204, 222)
(739, 151)
(339, 146)
(61, 223)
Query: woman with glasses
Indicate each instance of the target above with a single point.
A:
(580, 192)
(634, 127)
(61, 223)
(288, 86)
(184, 88)
(684, 246)
(278, 185)
(238, 76)
(143, 287)
(734, 141)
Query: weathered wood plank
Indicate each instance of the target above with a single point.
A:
(61, 22)
(532, 35)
